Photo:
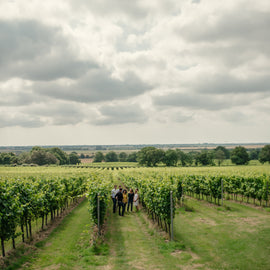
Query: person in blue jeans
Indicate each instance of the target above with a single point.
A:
(113, 194)
(130, 199)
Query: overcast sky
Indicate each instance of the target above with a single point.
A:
(134, 72)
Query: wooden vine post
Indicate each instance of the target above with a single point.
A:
(171, 215)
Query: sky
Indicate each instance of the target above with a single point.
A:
(134, 72)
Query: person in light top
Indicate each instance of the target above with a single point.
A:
(136, 199)
(113, 194)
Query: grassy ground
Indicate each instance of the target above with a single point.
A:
(231, 237)
(208, 237)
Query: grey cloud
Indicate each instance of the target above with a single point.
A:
(58, 114)
(120, 114)
(97, 85)
(21, 121)
(196, 101)
(226, 84)
(32, 50)
(252, 26)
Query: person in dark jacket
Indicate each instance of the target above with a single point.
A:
(119, 197)
(130, 199)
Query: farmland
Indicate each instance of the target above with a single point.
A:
(206, 234)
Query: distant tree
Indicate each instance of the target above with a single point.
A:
(265, 154)
(99, 157)
(123, 157)
(60, 155)
(24, 157)
(239, 155)
(170, 158)
(82, 155)
(132, 157)
(150, 156)
(8, 158)
(220, 156)
(204, 158)
(111, 157)
(186, 159)
(223, 149)
(74, 158)
(41, 157)
(254, 154)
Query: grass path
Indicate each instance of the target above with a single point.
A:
(210, 237)
(136, 246)
(68, 246)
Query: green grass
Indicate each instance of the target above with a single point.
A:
(231, 237)
(234, 236)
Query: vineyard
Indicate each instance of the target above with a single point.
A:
(31, 196)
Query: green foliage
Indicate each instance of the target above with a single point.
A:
(239, 155)
(170, 158)
(8, 158)
(74, 158)
(204, 158)
(111, 157)
(150, 156)
(220, 156)
(224, 150)
(254, 154)
(99, 157)
(132, 157)
(265, 154)
(60, 155)
(123, 157)
(186, 159)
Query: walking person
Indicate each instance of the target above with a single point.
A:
(113, 194)
(125, 200)
(136, 199)
(130, 200)
(119, 197)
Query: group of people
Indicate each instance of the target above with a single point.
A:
(123, 198)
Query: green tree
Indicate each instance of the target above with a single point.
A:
(265, 154)
(99, 157)
(74, 158)
(223, 149)
(150, 156)
(239, 156)
(132, 157)
(186, 159)
(170, 158)
(111, 157)
(123, 157)
(60, 155)
(254, 154)
(41, 157)
(220, 156)
(204, 158)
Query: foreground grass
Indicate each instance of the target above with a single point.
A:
(231, 237)
(68, 246)
(208, 237)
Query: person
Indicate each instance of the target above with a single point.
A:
(125, 200)
(119, 197)
(136, 199)
(113, 194)
(130, 200)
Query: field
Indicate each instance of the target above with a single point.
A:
(206, 235)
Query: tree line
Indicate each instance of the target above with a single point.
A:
(40, 156)
(151, 156)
